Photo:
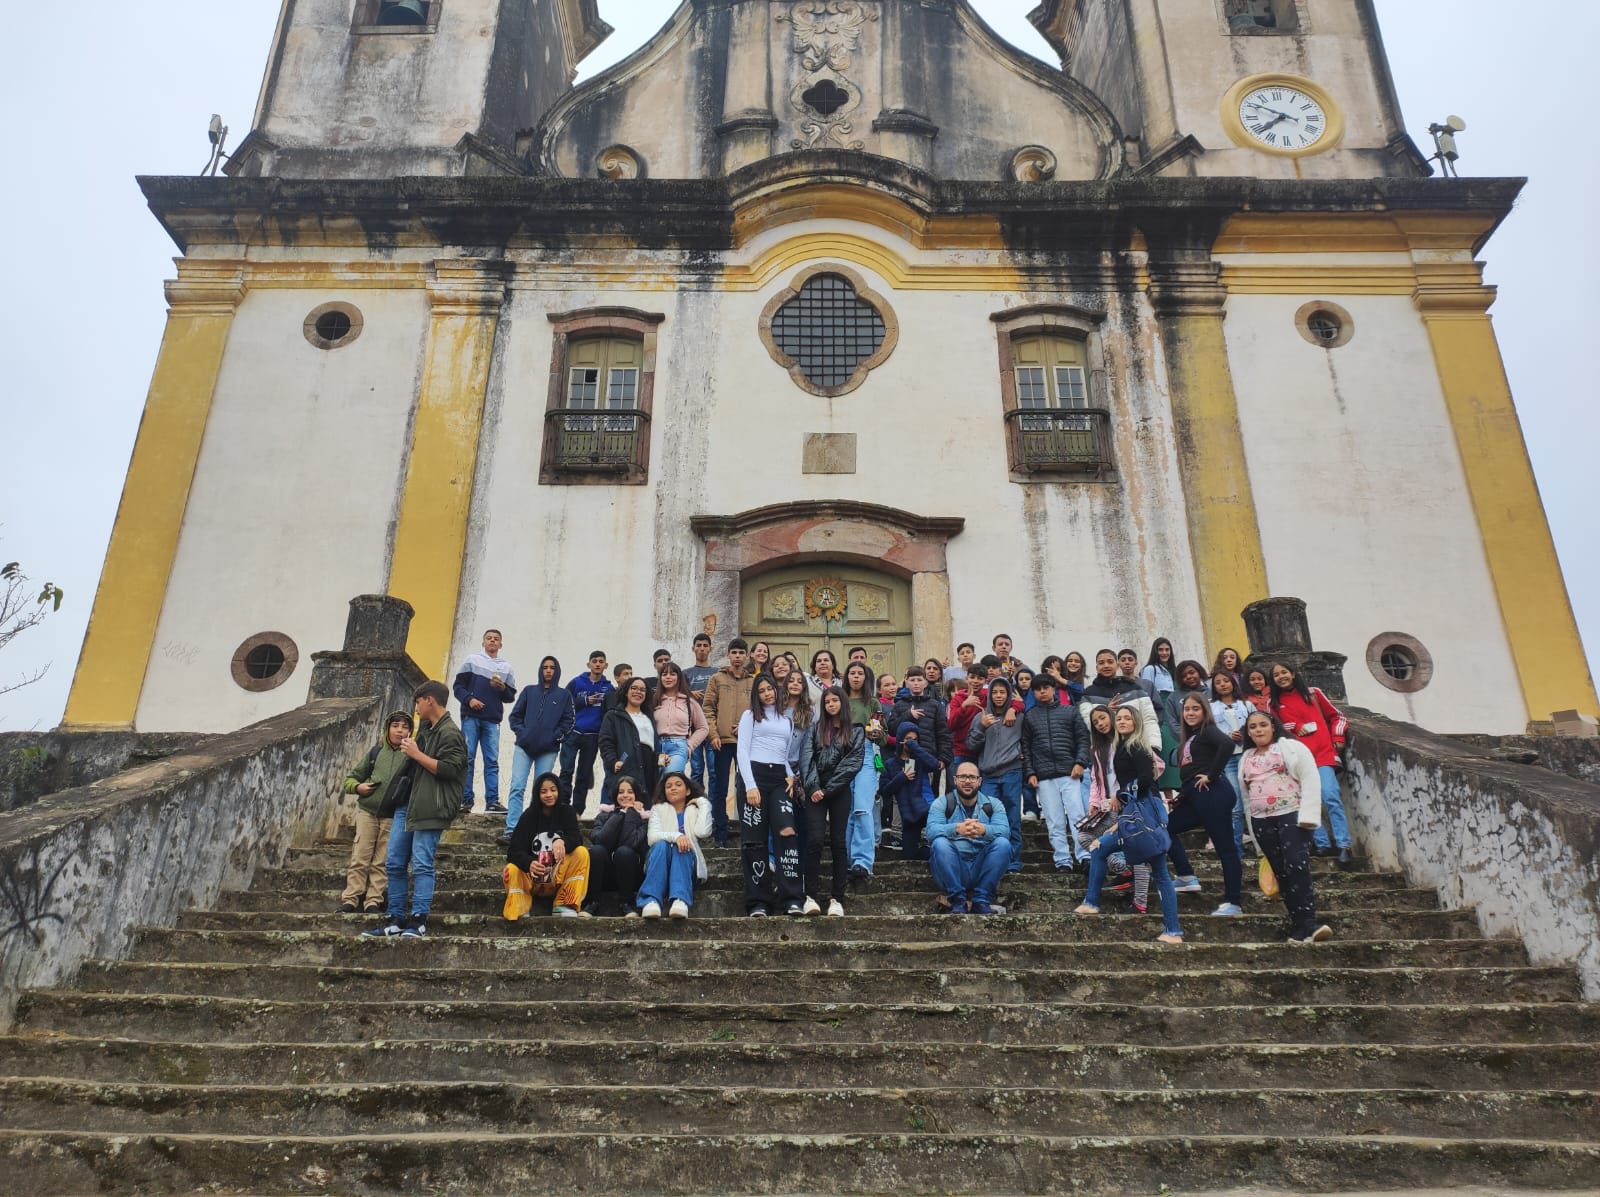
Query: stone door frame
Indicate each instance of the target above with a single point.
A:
(887, 539)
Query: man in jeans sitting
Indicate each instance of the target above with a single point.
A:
(438, 765)
(969, 844)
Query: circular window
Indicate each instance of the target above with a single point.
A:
(333, 325)
(1399, 662)
(828, 330)
(1326, 325)
(265, 661)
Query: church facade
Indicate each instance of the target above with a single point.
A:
(829, 322)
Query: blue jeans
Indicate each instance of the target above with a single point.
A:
(481, 731)
(1232, 774)
(524, 766)
(417, 849)
(1007, 787)
(1062, 801)
(1158, 873)
(700, 764)
(668, 876)
(677, 750)
(1332, 810)
(863, 829)
(577, 765)
(959, 873)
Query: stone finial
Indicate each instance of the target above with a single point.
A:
(1279, 631)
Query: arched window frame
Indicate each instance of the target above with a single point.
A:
(1078, 448)
(558, 465)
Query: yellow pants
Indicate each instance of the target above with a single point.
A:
(569, 886)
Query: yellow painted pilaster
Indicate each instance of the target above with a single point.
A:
(1224, 535)
(144, 539)
(1540, 626)
(431, 537)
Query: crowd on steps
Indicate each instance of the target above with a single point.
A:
(946, 765)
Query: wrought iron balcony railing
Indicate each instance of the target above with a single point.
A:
(1061, 440)
(596, 440)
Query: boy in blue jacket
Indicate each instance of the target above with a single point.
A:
(908, 779)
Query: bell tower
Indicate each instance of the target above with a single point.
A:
(385, 88)
(1264, 88)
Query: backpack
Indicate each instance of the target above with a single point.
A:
(950, 807)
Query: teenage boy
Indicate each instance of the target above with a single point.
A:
(966, 705)
(366, 878)
(485, 686)
(579, 747)
(928, 712)
(697, 675)
(966, 654)
(1112, 689)
(1128, 664)
(439, 755)
(1055, 756)
(1002, 649)
(727, 697)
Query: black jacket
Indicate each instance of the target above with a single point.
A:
(1054, 740)
(539, 828)
(1135, 764)
(619, 741)
(831, 768)
(933, 729)
(620, 828)
(1209, 753)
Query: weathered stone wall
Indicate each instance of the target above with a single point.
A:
(1568, 755)
(81, 868)
(1520, 844)
(33, 764)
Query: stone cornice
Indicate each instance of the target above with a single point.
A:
(722, 526)
(698, 214)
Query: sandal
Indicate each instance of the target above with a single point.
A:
(1173, 940)
(1087, 909)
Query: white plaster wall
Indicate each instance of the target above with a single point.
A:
(291, 510)
(564, 569)
(1363, 505)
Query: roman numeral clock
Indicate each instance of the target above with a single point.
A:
(1282, 114)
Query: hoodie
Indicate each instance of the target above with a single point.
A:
(543, 714)
(472, 681)
(586, 717)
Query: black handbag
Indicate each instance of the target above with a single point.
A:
(398, 792)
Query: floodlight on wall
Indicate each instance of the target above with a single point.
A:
(1444, 144)
(217, 132)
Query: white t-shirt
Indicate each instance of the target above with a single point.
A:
(647, 733)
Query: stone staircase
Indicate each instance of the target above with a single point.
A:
(262, 1048)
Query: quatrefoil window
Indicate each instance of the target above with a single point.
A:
(828, 331)
(825, 97)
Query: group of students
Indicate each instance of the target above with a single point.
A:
(838, 757)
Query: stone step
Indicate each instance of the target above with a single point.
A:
(921, 926)
(455, 894)
(1116, 1064)
(501, 1107)
(577, 1017)
(1172, 985)
(380, 1162)
(509, 953)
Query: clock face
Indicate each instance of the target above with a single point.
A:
(1282, 118)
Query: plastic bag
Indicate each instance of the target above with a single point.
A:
(1267, 879)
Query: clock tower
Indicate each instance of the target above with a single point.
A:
(1238, 88)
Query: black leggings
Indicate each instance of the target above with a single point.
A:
(834, 811)
(1287, 847)
(621, 869)
(774, 817)
(1212, 809)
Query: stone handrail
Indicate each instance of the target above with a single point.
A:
(1519, 843)
(80, 869)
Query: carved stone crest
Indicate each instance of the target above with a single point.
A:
(826, 32)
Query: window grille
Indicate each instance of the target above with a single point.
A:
(828, 329)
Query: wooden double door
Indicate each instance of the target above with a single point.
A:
(803, 608)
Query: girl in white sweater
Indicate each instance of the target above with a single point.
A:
(679, 819)
(1283, 803)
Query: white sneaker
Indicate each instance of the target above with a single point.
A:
(1028, 816)
(565, 912)
(835, 908)
(1187, 885)
(651, 910)
(679, 909)
(811, 907)
(1227, 910)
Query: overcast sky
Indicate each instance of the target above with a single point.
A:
(103, 91)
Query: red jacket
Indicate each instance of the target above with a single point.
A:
(960, 716)
(1328, 723)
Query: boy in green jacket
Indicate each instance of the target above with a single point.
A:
(439, 753)
(366, 879)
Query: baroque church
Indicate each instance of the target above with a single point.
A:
(829, 322)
